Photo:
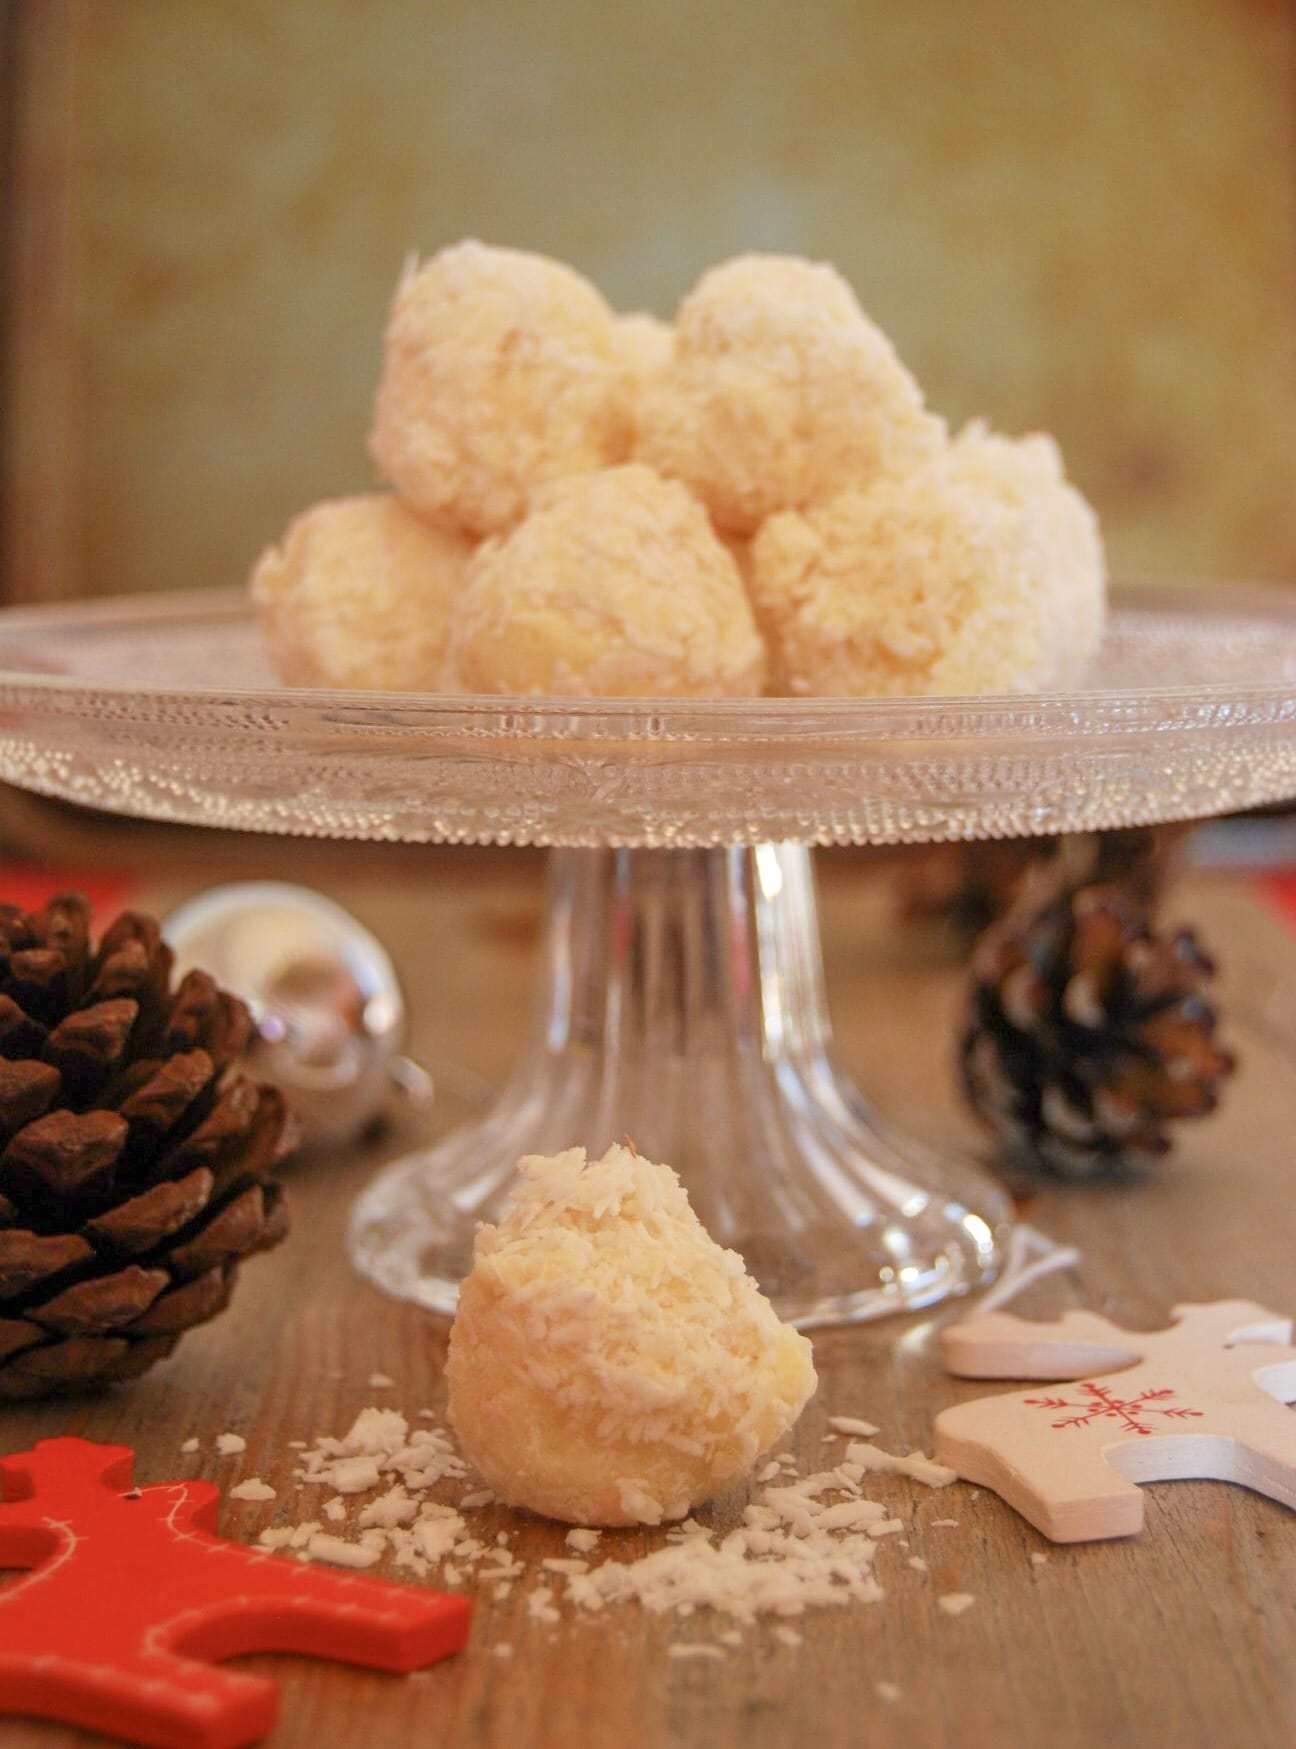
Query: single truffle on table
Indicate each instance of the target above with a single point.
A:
(982, 572)
(614, 586)
(358, 594)
(501, 371)
(610, 1364)
(780, 393)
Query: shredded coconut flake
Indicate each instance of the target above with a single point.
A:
(917, 1466)
(252, 1489)
(340, 1553)
(230, 1444)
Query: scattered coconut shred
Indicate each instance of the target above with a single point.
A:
(803, 1543)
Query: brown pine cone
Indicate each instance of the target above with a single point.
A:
(1088, 1033)
(970, 886)
(135, 1162)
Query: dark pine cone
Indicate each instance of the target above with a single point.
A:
(1088, 1033)
(134, 1172)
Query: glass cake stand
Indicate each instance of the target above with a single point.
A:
(680, 997)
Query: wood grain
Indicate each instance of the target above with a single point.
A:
(1185, 1636)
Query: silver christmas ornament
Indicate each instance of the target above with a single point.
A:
(323, 992)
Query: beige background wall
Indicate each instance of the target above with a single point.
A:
(1073, 216)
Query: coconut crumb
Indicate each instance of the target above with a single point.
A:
(230, 1444)
(852, 1424)
(340, 1553)
(379, 1381)
(955, 1602)
(685, 1650)
(887, 1691)
(1038, 1558)
(917, 1466)
(388, 1510)
(190, 1445)
(252, 1489)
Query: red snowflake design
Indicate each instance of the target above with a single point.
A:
(1102, 1403)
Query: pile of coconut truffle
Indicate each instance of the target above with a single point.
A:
(753, 499)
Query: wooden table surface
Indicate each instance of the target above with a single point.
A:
(1183, 1636)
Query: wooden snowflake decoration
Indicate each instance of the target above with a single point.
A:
(1205, 1398)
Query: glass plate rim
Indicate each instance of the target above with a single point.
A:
(1240, 605)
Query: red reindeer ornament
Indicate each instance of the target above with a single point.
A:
(131, 1592)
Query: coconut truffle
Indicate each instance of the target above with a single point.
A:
(780, 393)
(982, 572)
(645, 343)
(501, 371)
(614, 586)
(358, 594)
(610, 1363)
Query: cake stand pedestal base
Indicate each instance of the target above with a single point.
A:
(681, 1005)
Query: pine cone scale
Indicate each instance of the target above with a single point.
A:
(235, 1232)
(17, 1334)
(20, 1035)
(183, 1307)
(103, 1303)
(139, 1223)
(86, 1046)
(162, 1102)
(27, 1090)
(27, 1259)
(64, 1159)
(80, 1360)
(271, 1136)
